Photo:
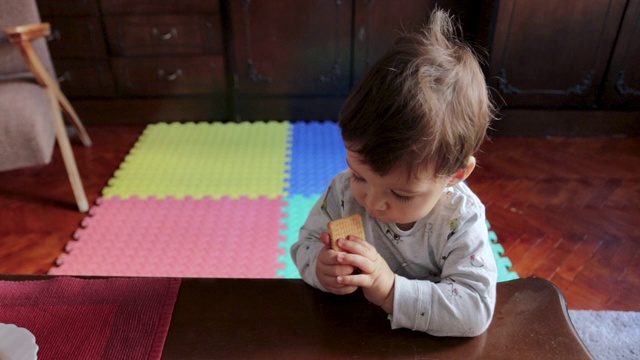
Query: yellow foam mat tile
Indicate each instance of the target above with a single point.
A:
(206, 159)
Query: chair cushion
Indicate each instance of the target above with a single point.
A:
(15, 13)
(27, 132)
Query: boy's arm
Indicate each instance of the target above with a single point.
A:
(462, 303)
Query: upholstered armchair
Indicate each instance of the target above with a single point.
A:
(31, 102)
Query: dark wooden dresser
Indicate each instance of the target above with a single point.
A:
(554, 67)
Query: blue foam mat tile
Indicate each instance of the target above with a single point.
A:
(317, 155)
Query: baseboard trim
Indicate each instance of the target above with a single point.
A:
(511, 122)
(152, 110)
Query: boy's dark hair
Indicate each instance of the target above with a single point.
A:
(423, 105)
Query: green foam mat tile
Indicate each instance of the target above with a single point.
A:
(206, 159)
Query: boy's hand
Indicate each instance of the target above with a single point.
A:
(375, 277)
(328, 269)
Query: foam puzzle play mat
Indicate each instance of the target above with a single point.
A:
(212, 200)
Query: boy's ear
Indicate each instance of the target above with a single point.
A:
(463, 174)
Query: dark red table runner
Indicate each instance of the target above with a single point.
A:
(71, 318)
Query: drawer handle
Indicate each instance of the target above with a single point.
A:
(54, 35)
(171, 77)
(171, 34)
(65, 77)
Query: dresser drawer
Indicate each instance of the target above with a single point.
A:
(76, 37)
(164, 34)
(85, 78)
(67, 7)
(170, 76)
(159, 6)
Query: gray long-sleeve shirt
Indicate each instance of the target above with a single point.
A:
(445, 269)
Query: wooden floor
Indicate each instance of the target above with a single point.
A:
(564, 209)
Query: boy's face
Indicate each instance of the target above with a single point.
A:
(394, 198)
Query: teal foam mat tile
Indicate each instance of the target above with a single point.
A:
(503, 263)
(296, 213)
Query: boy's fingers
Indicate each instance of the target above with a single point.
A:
(360, 280)
(324, 237)
(363, 264)
(356, 245)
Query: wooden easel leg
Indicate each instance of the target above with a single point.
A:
(67, 153)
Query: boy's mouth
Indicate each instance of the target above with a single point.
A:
(373, 215)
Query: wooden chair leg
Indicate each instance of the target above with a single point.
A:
(73, 116)
(67, 153)
(44, 79)
(22, 36)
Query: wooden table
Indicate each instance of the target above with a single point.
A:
(287, 319)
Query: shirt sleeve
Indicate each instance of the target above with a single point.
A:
(462, 303)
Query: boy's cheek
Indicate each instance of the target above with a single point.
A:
(358, 194)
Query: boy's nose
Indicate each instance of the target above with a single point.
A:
(376, 202)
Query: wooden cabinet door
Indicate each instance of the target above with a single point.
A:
(622, 87)
(292, 47)
(378, 23)
(553, 53)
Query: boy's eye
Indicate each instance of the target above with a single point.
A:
(356, 178)
(401, 198)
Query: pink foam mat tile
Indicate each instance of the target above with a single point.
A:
(179, 238)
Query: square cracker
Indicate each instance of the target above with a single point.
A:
(341, 228)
